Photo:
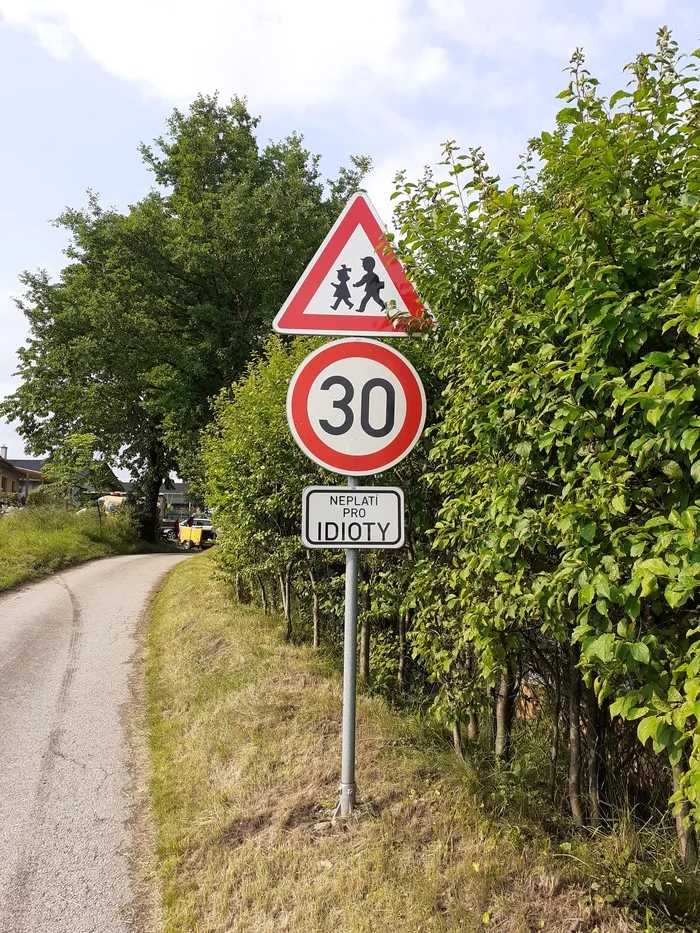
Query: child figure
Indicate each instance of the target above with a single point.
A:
(340, 288)
(372, 284)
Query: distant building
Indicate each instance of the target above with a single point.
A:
(29, 476)
(11, 478)
(177, 497)
(32, 477)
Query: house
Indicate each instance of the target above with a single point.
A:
(32, 477)
(11, 478)
(176, 498)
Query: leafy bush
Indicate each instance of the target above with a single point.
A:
(567, 449)
(553, 567)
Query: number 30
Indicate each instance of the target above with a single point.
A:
(343, 405)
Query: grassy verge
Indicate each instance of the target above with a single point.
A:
(244, 737)
(37, 541)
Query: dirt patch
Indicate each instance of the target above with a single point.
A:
(187, 627)
(210, 649)
(242, 828)
(305, 816)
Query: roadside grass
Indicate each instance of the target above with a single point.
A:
(244, 738)
(37, 541)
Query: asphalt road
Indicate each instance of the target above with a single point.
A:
(66, 645)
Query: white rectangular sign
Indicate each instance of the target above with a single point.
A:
(352, 516)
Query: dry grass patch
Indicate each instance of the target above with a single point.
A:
(244, 734)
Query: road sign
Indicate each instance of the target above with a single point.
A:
(348, 284)
(361, 516)
(356, 407)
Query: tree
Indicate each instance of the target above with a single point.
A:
(256, 473)
(162, 306)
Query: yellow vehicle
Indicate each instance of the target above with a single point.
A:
(199, 534)
(111, 502)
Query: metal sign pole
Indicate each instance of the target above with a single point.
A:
(347, 771)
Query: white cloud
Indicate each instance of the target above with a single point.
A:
(293, 54)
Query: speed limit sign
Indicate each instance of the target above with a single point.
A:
(356, 407)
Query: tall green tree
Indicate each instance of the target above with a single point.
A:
(162, 306)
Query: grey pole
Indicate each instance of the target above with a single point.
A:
(347, 771)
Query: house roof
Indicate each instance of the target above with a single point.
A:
(34, 465)
(180, 488)
(9, 467)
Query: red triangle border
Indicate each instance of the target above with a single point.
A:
(291, 318)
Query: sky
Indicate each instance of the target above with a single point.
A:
(82, 83)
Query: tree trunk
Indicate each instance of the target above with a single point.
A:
(472, 725)
(575, 737)
(314, 609)
(472, 717)
(274, 595)
(404, 621)
(492, 693)
(457, 741)
(505, 708)
(366, 626)
(239, 588)
(286, 593)
(595, 738)
(263, 593)
(150, 489)
(687, 840)
(554, 744)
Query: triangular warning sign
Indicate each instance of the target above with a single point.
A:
(349, 283)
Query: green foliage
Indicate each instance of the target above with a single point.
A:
(45, 496)
(255, 474)
(255, 471)
(567, 444)
(47, 537)
(162, 306)
(549, 585)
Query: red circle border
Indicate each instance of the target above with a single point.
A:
(311, 443)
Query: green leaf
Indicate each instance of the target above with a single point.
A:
(619, 504)
(689, 438)
(676, 594)
(640, 652)
(601, 647)
(657, 358)
(672, 469)
(647, 728)
(618, 96)
(588, 532)
(654, 565)
(568, 115)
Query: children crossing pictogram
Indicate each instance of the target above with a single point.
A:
(372, 284)
(341, 290)
(352, 282)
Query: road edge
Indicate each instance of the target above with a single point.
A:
(144, 910)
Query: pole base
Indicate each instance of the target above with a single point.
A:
(346, 805)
